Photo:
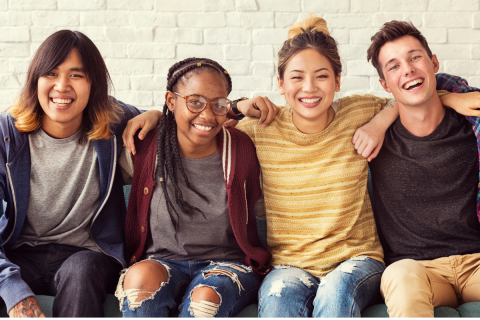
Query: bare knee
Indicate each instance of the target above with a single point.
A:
(147, 275)
(205, 294)
(204, 303)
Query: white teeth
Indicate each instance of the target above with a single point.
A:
(203, 128)
(310, 100)
(62, 102)
(412, 83)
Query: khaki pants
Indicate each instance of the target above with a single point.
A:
(413, 288)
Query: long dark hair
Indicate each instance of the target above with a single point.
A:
(169, 160)
(100, 111)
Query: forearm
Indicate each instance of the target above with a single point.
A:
(27, 308)
(386, 116)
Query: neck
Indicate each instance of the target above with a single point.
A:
(188, 150)
(60, 130)
(422, 120)
(315, 125)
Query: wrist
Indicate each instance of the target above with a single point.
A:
(239, 114)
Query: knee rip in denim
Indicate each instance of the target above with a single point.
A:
(136, 297)
(203, 308)
(217, 271)
(346, 267)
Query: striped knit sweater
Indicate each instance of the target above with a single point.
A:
(315, 186)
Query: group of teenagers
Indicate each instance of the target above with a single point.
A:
(200, 176)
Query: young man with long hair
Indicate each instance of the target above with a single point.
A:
(62, 232)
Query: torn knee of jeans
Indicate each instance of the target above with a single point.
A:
(203, 308)
(306, 280)
(217, 271)
(276, 288)
(348, 267)
(136, 297)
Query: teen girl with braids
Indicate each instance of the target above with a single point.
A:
(321, 232)
(190, 220)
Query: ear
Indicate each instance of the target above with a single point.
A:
(384, 85)
(280, 85)
(436, 64)
(170, 100)
(337, 83)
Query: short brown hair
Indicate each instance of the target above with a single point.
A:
(312, 33)
(392, 31)
(100, 111)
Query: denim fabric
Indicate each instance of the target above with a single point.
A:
(344, 292)
(78, 278)
(235, 291)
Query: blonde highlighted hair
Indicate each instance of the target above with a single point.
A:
(100, 113)
(311, 33)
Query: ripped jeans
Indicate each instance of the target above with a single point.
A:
(290, 292)
(236, 285)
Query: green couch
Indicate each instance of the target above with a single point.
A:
(111, 305)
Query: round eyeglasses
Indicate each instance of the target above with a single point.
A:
(197, 103)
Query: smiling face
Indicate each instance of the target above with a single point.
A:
(309, 85)
(196, 132)
(63, 94)
(409, 72)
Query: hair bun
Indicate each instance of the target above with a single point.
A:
(316, 24)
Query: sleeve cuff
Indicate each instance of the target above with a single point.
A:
(13, 290)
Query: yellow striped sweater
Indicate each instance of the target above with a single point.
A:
(315, 186)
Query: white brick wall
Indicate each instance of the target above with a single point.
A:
(141, 39)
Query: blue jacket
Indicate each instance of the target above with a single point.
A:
(107, 226)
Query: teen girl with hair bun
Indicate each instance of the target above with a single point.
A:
(190, 220)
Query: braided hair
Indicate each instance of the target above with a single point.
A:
(169, 160)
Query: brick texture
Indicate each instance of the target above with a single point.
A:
(141, 39)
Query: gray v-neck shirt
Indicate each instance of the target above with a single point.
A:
(64, 192)
(198, 238)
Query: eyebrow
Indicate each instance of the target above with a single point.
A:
(77, 69)
(301, 71)
(391, 60)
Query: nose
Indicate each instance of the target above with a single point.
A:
(409, 69)
(207, 113)
(309, 85)
(62, 84)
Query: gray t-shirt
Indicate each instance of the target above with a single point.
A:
(198, 238)
(64, 192)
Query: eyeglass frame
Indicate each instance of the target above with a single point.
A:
(207, 103)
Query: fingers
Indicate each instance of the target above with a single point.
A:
(272, 111)
(375, 152)
(262, 107)
(129, 133)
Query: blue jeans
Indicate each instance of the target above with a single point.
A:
(78, 278)
(289, 292)
(236, 285)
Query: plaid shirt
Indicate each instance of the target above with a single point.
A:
(460, 85)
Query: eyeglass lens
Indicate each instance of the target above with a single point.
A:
(220, 106)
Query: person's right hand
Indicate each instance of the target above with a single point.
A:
(27, 308)
(258, 107)
(146, 121)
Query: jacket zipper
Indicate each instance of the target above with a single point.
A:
(106, 198)
(14, 203)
